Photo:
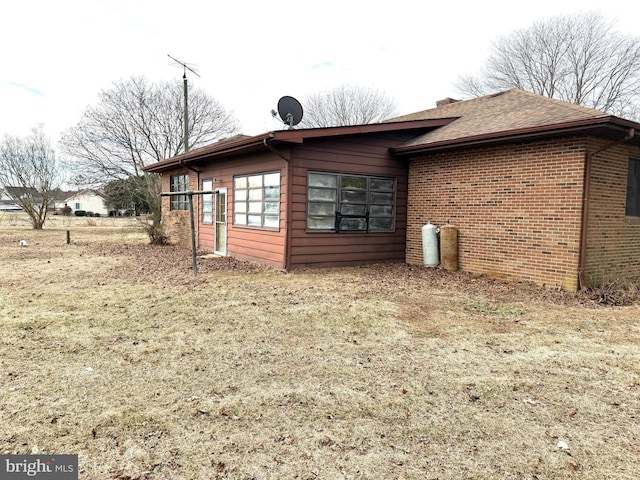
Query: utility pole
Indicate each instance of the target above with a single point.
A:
(186, 100)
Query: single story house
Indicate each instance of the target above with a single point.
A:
(540, 190)
(87, 200)
(7, 202)
(15, 194)
(9, 196)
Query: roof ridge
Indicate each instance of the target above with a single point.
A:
(513, 109)
(566, 103)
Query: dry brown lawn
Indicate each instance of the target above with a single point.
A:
(113, 350)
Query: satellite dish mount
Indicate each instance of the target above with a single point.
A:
(289, 110)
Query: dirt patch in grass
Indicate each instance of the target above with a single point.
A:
(113, 350)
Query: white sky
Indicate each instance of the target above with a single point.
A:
(58, 55)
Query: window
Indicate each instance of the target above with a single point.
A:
(633, 188)
(256, 200)
(78, 206)
(179, 183)
(207, 202)
(350, 203)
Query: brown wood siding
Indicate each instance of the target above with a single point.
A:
(205, 230)
(245, 243)
(206, 235)
(359, 155)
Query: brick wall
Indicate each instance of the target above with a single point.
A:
(517, 208)
(177, 224)
(613, 252)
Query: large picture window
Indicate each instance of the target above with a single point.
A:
(633, 188)
(179, 183)
(350, 203)
(256, 200)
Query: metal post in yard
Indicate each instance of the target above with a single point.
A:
(193, 234)
(190, 195)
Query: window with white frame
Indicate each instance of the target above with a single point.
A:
(207, 202)
(355, 203)
(256, 200)
(179, 183)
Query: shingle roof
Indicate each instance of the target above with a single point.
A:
(509, 110)
(243, 144)
(18, 192)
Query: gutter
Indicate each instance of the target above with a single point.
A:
(222, 147)
(182, 163)
(585, 203)
(204, 152)
(583, 126)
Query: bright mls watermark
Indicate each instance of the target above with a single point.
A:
(49, 467)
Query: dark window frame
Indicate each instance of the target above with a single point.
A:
(632, 205)
(179, 183)
(350, 203)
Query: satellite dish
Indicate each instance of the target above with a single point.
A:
(290, 111)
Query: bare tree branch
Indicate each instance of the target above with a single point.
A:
(137, 123)
(347, 105)
(580, 59)
(29, 169)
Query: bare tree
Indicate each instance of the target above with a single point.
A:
(581, 59)
(347, 105)
(30, 173)
(137, 123)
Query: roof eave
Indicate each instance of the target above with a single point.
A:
(289, 136)
(198, 154)
(529, 133)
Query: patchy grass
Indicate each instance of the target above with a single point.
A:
(112, 349)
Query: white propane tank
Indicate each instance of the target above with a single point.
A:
(430, 245)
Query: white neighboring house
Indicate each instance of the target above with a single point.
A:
(89, 201)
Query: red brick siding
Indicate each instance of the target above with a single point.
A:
(177, 222)
(613, 252)
(517, 208)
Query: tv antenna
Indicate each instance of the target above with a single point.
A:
(290, 111)
(186, 99)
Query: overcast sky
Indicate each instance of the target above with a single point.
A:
(58, 55)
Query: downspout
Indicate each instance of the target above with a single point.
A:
(183, 165)
(287, 236)
(585, 204)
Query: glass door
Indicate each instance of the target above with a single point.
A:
(220, 221)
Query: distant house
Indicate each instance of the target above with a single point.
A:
(87, 200)
(10, 196)
(58, 201)
(21, 194)
(540, 190)
(7, 202)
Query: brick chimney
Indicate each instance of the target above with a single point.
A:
(446, 101)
